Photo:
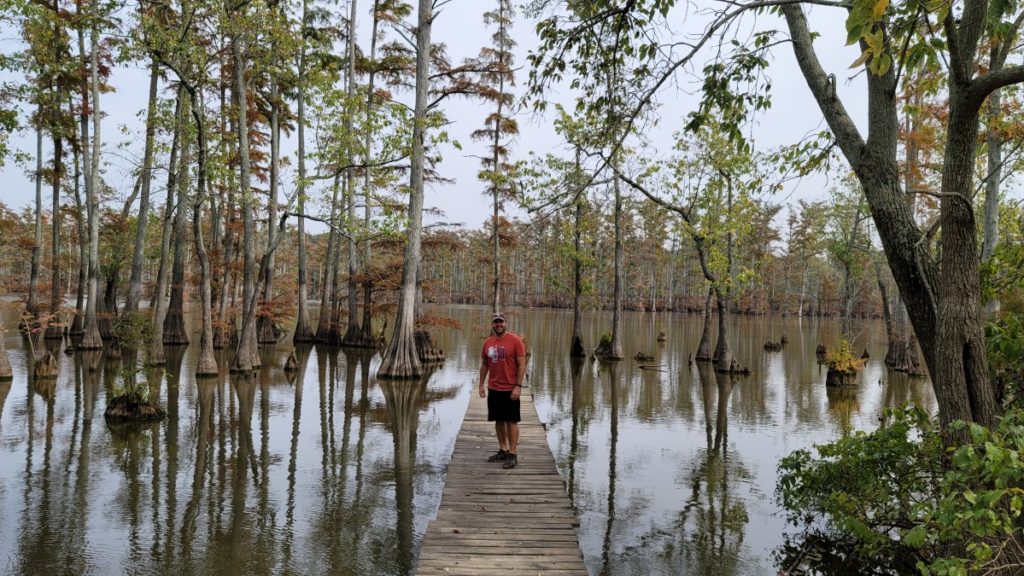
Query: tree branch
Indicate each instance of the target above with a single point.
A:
(842, 126)
(982, 86)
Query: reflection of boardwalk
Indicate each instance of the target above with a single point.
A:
(496, 521)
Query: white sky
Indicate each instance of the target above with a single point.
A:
(793, 114)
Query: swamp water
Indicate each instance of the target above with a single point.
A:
(672, 470)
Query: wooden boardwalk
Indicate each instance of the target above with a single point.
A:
(496, 521)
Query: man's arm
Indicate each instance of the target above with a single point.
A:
(520, 375)
(483, 377)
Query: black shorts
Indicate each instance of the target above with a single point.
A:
(501, 407)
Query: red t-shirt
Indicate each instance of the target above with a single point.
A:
(503, 355)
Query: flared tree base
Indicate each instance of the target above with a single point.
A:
(606, 351)
(427, 350)
(840, 378)
(46, 367)
(131, 408)
(267, 332)
(577, 350)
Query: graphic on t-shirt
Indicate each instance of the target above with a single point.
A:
(497, 353)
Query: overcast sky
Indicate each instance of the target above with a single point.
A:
(793, 114)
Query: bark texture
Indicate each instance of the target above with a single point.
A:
(401, 360)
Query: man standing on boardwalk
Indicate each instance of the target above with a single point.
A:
(503, 366)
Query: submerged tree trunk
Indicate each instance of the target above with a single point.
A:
(724, 359)
(303, 331)
(78, 322)
(54, 329)
(704, 348)
(247, 355)
(890, 327)
(91, 339)
(325, 331)
(207, 364)
(369, 338)
(108, 306)
(353, 333)
(577, 349)
(131, 301)
(156, 346)
(401, 359)
(612, 349)
(174, 320)
(265, 329)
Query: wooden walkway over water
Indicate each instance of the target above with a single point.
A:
(496, 521)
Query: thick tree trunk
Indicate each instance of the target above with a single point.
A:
(960, 372)
(131, 302)
(247, 356)
(944, 312)
(207, 364)
(174, 320)
(724, 359)
(156, 346)
(91, 339)
(704, 348)
(401, 359)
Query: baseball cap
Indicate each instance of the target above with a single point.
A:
(497, 317)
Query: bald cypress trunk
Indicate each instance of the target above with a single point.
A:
(32, 306)
(174, 321)
(55, 330)
(247, 355)
(156, 355)
(91, 338)
(401, 359)
(325, 330)
(577, 350)
(265, 330)
(303, 332)
(704, 348)
(131, 302)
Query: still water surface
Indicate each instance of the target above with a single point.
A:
(672, 470)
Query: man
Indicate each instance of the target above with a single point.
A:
(503, 365)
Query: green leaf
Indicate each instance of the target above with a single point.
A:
(915, 536)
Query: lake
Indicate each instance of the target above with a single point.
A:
(671, 467)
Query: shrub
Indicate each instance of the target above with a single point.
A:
(899, 502)
(840, 358)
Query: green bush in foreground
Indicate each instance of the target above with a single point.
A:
(900, 503)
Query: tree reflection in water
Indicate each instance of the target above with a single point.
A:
(712, 523)
(403, 398)
(613, 383)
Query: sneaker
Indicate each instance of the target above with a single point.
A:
(511, 460)
(498, 456)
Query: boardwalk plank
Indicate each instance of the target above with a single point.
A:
(516, 522)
